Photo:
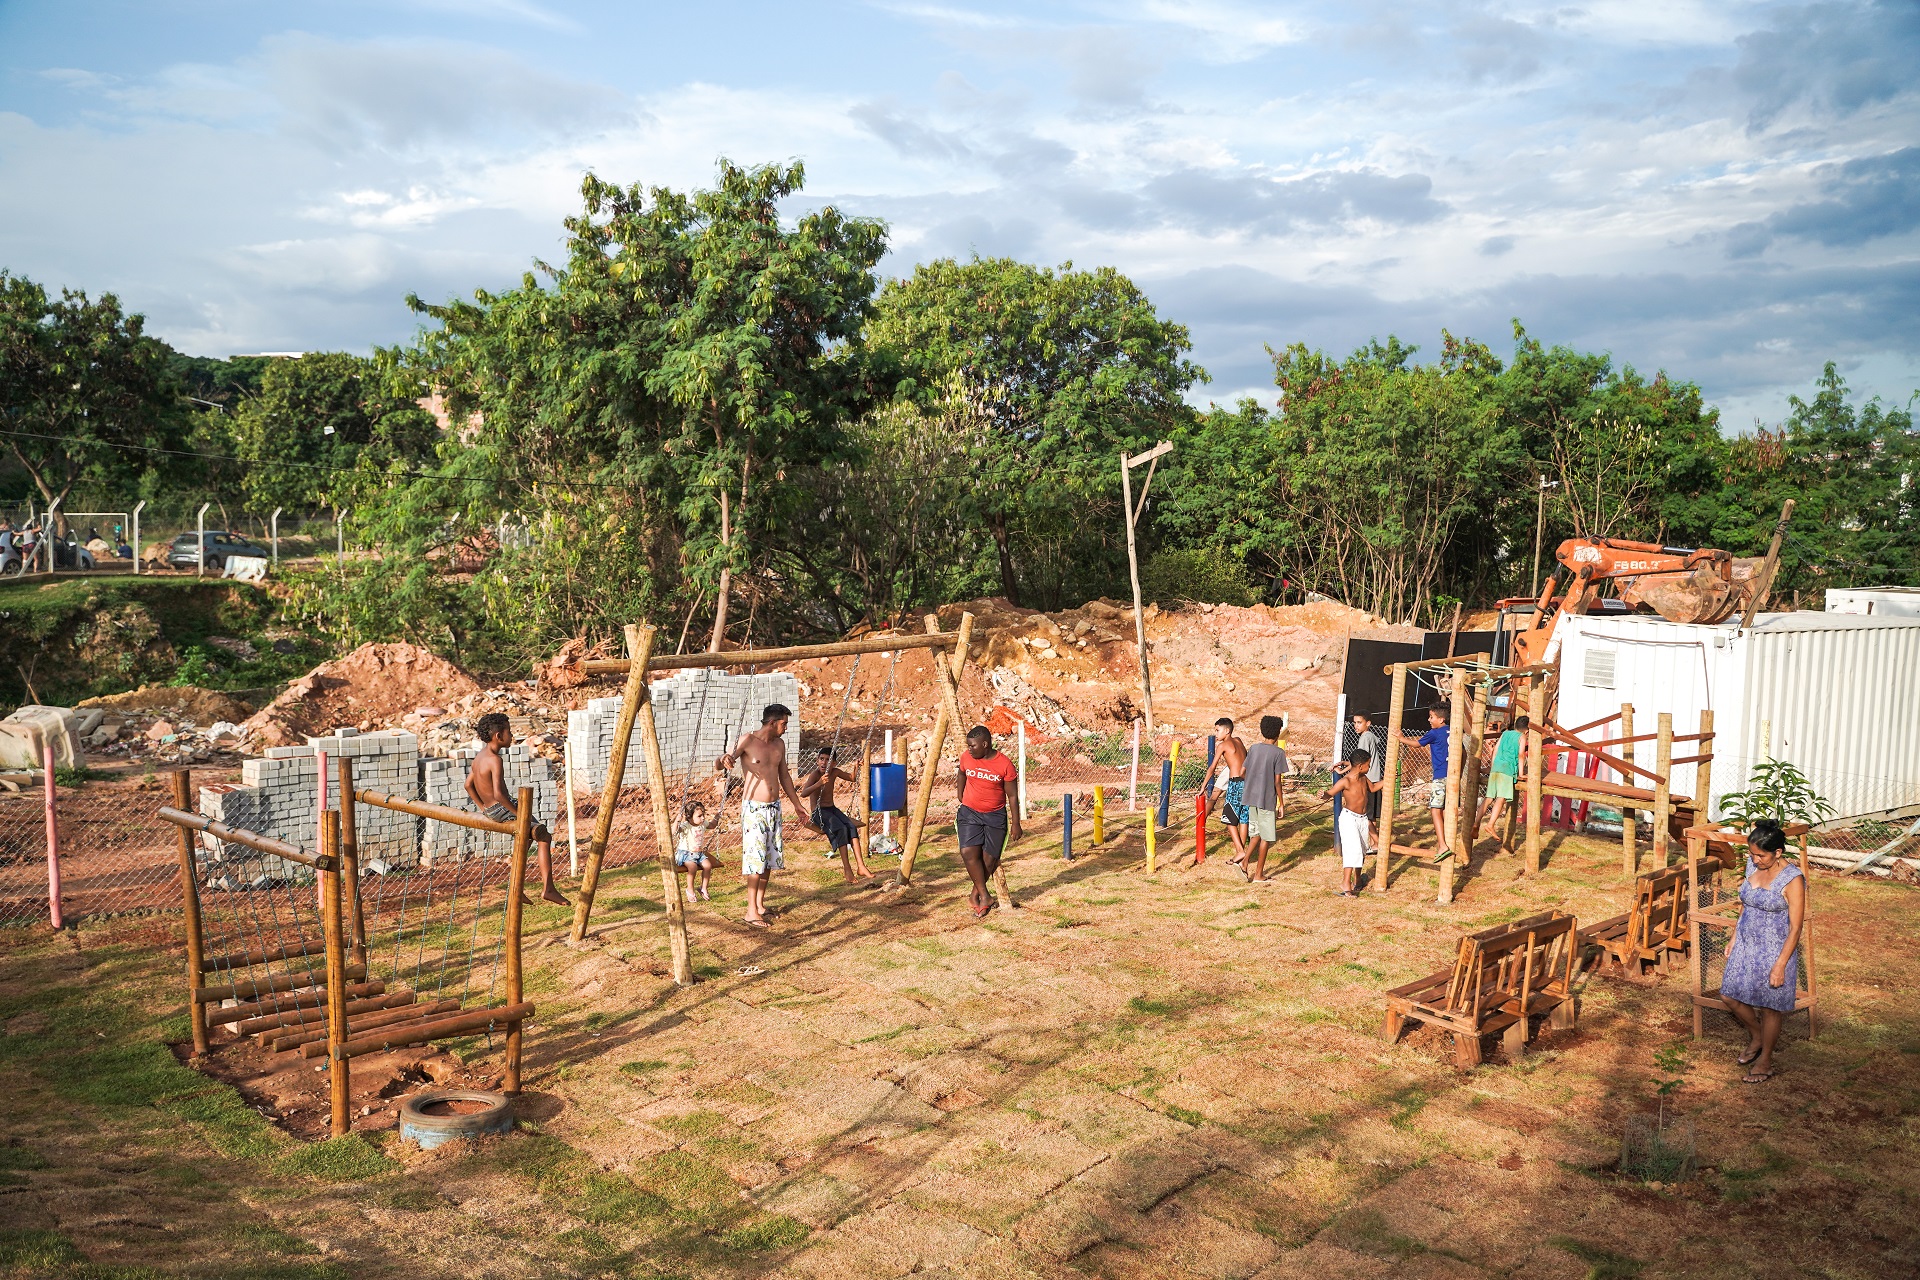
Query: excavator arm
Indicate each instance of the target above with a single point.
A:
(1681, 584)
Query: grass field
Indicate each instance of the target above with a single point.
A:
(1175, 1075)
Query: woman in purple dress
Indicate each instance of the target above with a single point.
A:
(1762, 976)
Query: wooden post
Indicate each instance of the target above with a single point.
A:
(573, 839)
(1456, 764)
(640, 642)
(339, 1081)
(610, 798)
(1099, 813)
(1696, 967)
(1132, 513)
(1390, 779)
(865, 793)
(356, 924)
(516, 888)
(1662, 790)
(1629, 825)
(1470, 782)
(943, 721)
(1536, 766)
(1806, 941)
(190, 907)
(1703, 772)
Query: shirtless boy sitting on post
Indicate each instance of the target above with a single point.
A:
(762, 756)
(487, 788)
(842, 832)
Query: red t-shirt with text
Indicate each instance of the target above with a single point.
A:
(986, 781)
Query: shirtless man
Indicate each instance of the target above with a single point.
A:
(487, 788)
(842, 832)
(1351, 829)
(1230, 761)
(762, 756)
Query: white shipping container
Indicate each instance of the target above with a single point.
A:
(1897, 602)
(1837, 695)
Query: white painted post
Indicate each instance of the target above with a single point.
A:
(1020, 729)
(339, 534)
(573, 844)
(137, 507)
(1339, 729)
(1133, 774)
(200, 558)
(886, 821)
(274, 524)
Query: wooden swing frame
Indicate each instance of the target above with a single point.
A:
(636, 711)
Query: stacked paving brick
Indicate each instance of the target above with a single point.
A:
(278, 796)
(698, 713)
(443, 781)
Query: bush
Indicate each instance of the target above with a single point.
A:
(1210, 577)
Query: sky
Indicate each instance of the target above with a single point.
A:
(1728, 192)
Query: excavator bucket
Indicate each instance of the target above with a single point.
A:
(1700, 596)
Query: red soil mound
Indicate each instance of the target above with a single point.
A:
(373, 684)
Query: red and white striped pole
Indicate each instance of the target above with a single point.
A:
(53, 841)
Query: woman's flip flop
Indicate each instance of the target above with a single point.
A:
(1757, 1077)
(1746, 1058)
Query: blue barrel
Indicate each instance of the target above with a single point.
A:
(887, 788)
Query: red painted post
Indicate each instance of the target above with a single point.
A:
(1200, 828)
(53, 841)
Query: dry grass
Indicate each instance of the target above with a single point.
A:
(1167, 1076)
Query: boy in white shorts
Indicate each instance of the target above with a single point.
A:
(1353, 833)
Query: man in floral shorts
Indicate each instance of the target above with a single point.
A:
(762, 756)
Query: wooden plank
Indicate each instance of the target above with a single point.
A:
(267, 986)
(312, 1015)
(767, 657)
(262, 1011)
(501, 1016)
(439, 812)
(250, 839)
(285, 1040)
(314, 950)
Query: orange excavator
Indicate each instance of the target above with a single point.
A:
(1681, 584)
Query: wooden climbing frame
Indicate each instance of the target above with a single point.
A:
(313, 996)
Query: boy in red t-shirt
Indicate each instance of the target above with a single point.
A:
(986, 821)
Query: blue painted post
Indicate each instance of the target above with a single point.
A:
(1166, 790)
(1066, 826)
(1207, 791)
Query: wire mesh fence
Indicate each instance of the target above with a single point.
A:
(114, 855)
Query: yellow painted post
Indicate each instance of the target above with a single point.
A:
(1099, 814)
(1149, 839)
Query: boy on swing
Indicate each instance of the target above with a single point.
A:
(841, 831)
(487, 788)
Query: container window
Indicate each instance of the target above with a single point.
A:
(1597, 671)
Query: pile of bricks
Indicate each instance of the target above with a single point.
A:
(698, 713)
(278, 796)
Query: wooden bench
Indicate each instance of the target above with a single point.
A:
(1652, 930)
(1502, 978)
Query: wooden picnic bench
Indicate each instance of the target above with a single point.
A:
(1652, 930)
(1501, 979)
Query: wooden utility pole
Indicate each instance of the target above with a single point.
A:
(1539, 526)
(1152, 458)
(726, 578)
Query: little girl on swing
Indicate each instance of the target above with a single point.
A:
(691, 834)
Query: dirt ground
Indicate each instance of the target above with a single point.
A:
(1177, 1075)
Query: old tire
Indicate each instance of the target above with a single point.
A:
(464, 1113)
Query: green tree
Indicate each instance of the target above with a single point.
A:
(1382, 460)
(1213, 493)
(316, 421)
(85, 394)
(691, 347)
(1854, 474)
(1050, 375)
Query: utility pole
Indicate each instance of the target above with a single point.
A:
(1152, 458)
(1539, 525)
